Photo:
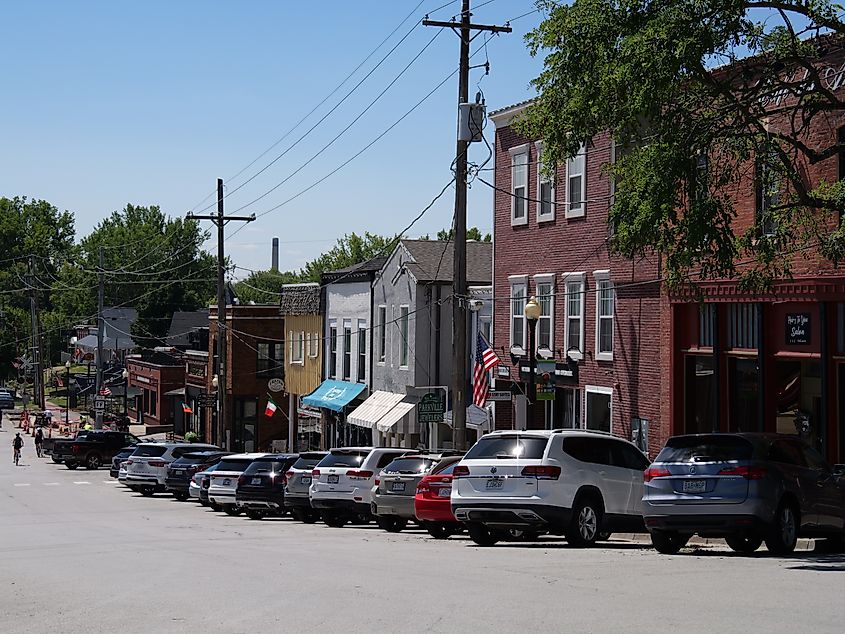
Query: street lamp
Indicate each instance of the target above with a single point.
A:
(216, 423)
(67, 394)
(125, 375)
(533, 310)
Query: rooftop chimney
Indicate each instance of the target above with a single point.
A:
(274, 266)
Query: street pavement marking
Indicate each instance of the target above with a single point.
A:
(21, 484)
(108, 481)
(51, 484)
(82, 482)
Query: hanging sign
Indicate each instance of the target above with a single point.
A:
(798, 329)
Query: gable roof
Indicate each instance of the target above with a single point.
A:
(300, 299)
(433, 261)
(356, 272)
(184, 321)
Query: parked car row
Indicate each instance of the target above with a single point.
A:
(583, 485)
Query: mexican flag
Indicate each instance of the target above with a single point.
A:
(271, 407)
(186, 408)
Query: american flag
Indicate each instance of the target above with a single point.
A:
(105, 391)
(485, 360)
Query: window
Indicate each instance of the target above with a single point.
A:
(362, 351)
(742, 326)
(313, 345)
(574, 302)
(841, 139)
(297, 346)
(403, 333)
(519, 185)
(767, 194)
(382, 334)
(605, 299)
(598, 411)
(333, 351)
(271, 358)
(347, 351)
(568, 408)
(545, 325)
(545, 189)
(518, 290)
(706, 314)
(576, 189)
(485, 325)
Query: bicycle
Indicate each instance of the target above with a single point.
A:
(17, 456)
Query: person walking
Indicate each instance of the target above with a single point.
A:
(39, 440)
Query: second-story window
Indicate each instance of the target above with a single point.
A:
(297, 346)
(271, 358)
(576, 181)
(403, 334)
(362, 351)
(545, 189)
(605, 304)
(574, 303)
(767, 194)
(347, 352)
(545, 325)
(841, 139)
(519, 186)
(333, 352)
(517, 300)
(382, 334)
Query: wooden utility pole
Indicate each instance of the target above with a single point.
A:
(101, 296)
(38, 373)
(222, 349)
(460, 351)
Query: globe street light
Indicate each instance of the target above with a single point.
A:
(125, 375)
(67, 393)
(533, 310)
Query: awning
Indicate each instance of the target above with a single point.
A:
(179, 391)
(476, 417)
(371, 411)
(333, 395)
(395, 415)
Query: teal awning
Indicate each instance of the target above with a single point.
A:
(333, 395)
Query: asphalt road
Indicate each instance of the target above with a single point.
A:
(79, 553)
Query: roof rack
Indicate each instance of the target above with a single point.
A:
(600, 432)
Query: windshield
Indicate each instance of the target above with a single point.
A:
(409, 465)
(508, 447)
(343, 459)
(265, 466)
(233, 465)
(189, 459)
(705, 448)
(307, 462)
(149, 451)
(211, 468)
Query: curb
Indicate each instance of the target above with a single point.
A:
(804, 544)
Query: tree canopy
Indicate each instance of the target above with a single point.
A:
(735, 81)
(473, 233)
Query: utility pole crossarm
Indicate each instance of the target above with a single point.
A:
(214, 218)
(471, 27)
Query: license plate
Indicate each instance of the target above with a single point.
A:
(256, 480)
(694, 486)
(178, 472)
(226, 482)
(444, 492)
(397, 486)
(333, 479)
(495, 483)
(306, 480)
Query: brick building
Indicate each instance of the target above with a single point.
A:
(772, 361)
(603, 318)
(152, 374)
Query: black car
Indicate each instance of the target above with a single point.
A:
(119, 457)
(181, 470)
(261, 488)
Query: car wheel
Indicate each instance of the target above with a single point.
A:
(392, 524)
(231, 509)
(180, 495)
(482, 535)
(744, 543)
(438, 531)
(310, 516)
(93, 461)
(783, 533)
(333, 519)
(604, 536)
(215, 507)
(203, 502)
(56, 460)
(668, 542)
(254, 514)
(583, 529)
(70, 464)
(147, 491)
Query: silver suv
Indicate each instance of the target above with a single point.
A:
(298, 482)
(747, 488)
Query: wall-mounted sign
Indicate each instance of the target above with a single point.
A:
(99, 403)
(798, 329)
(503, 371)
(431, 408)
(499, 395)
(206, 400)
(545, 380)
(275, 385)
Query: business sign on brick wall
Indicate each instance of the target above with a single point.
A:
(798, 329)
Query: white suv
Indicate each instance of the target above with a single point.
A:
(576, 483)
(223, 482)
(342, 482)
(146, 468)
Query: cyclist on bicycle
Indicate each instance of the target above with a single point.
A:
(17, 443)
(39, 441)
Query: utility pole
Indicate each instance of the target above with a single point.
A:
(221, 221)
(38, 374)
(101, 296)
(460, 352)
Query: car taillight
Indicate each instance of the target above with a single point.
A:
(241, 480)
(315, 473)
(128, 462)
(157, 463)
(749, 473)
(460, 472)
(542, 472)
(423, 488)
(378, 481)
(356, 474)
(288, 475)
(74, 448)
(655, 472)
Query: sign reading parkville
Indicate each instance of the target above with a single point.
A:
(431, 408)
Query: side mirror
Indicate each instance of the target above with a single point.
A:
(839, 469)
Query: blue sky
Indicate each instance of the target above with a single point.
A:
(107, 103)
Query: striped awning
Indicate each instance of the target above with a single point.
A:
(371, 411)
(402, 409)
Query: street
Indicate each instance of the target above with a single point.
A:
(81, 553)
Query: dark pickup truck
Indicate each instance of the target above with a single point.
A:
(93, 450)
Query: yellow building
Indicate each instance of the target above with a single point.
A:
(301, 307)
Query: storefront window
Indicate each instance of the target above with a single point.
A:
(799, 393)
(567, 408)
(700, 395)
(598, 409)
(743, 376)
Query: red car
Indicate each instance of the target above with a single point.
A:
(432, 504)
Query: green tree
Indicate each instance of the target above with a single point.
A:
(37, 228)
(153, 263)
(350, 249)
(473, 233)
(263, 287)
(645, 71)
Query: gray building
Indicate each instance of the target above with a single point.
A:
(412, 336)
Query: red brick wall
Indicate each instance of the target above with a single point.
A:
(637, 372)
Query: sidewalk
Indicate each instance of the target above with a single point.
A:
(804, 545)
